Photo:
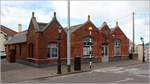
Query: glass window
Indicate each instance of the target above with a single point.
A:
(88, 42)
(52, 50)
(117, 49)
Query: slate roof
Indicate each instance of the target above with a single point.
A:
(41, 25)
(18, 38)
(112, 29)
(73, 28)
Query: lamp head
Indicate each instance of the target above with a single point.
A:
(113, 35)
(90, 28)
(142, 39)
(59, 29)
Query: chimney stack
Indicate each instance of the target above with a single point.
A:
(19, 28)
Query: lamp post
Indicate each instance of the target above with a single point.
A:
(142, 40)
(59, 59)
(90, 33)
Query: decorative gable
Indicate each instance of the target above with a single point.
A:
(105, 31)
(118, 32)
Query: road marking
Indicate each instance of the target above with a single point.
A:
(70, 75)
(104, 69)
(109, 69)
(142, 76)
(127, 79)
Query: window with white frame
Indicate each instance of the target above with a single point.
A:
(52, 50)
(117, 48)
(86, 48)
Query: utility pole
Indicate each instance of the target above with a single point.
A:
(133, 34)
(68, 40)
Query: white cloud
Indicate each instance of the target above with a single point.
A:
(141, 28)
(13, 12)
(101, 9)
(110, 11)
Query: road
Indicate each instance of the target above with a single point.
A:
(126, 74)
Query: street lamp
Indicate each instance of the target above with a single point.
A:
(142, 40)
(90, 33)
(59, 61)
(113, 35)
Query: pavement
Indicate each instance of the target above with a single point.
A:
(16, 72)
(132, 74)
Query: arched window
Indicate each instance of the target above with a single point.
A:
(88, 42)
(117, 47)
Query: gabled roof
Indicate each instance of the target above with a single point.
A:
(40, 26)
(18, 38)
(76, 27)
(113, 29)
(104, 25)
(7, 30)
(47, 25)
(35, 24)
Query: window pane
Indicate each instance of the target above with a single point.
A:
(52, 50)
(117, 50)
(87, 44)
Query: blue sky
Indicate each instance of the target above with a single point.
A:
(16, 12)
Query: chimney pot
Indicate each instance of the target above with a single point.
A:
(19, 28)
(117, 23)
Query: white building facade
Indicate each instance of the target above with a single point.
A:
(146, 52)
(5, 34)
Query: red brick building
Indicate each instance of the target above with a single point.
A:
(39, 43)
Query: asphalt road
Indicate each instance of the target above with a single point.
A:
(127, 74)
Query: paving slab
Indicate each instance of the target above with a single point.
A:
(16, 72)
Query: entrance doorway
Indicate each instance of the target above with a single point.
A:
(105, 54)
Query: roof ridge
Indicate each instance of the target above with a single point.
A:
(1, 26)
(74, 25)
